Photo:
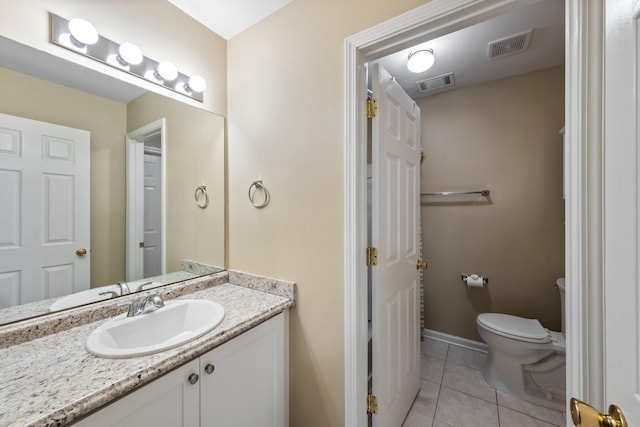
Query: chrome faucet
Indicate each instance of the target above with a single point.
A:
(150, 304)
(124, 288)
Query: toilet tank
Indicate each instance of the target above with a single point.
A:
(561, 287)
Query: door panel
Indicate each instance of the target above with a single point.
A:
(152, 215)
(58, 213)
(395, 216)
(10, 194)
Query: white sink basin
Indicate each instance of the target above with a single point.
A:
(178, 322)
(84, 297)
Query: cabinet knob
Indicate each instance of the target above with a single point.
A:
(209, 368)
(193, 378)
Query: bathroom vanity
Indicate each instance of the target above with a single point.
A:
(217, 388)
(237, 374)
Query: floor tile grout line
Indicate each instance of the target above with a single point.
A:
(433, 421)
(437, 402)
(470, 395)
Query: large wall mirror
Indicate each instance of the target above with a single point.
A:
(105, 188)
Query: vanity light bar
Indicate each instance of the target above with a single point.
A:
(125, 57)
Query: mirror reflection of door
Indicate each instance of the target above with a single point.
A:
(152, 207)
(44, 214)
(145, 202)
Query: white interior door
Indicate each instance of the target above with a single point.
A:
(152, 214)
(395, 319)
(44, 210)
(621, 208)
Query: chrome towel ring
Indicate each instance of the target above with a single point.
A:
(201, 196)
(258, 185)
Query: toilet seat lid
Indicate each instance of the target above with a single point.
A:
(515, 327)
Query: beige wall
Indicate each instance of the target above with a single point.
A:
(37, 99)
(502, 136)
(161, 30)
(286, 127)
(195, 156)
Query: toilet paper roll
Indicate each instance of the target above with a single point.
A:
(474, 281)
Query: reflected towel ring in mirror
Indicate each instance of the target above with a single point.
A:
(258, 185)
(201, 196)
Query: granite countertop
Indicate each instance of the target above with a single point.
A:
(53, 381)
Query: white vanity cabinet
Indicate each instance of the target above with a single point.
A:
(170, 401)
(243, 382)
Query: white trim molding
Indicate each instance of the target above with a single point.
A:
(454, 340)
(583, 267)
(584, 203)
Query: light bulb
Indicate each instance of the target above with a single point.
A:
(420, 60)
(129, 54)
(82, 32)
(196, 84)
(166, 71)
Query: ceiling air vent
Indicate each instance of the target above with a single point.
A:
(436, 83)
(509, 45)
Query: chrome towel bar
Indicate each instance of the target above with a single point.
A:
(484, 193)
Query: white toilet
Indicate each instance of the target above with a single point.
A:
(525, 359)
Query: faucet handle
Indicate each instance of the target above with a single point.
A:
(141, 287)
(112, 294)
(155, 299)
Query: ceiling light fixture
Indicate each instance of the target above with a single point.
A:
(81, 37)
(420, 60)
(83, 33)
(129, 54)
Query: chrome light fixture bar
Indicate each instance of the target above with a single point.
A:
(81, 37)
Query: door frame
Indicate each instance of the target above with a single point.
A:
(135, 196)
(583, 215)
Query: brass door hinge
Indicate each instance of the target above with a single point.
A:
(372, 108)
(372, 256)
(372, 404)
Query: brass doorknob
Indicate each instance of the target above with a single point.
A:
(421, 265)
(584, 415)
(81, 252)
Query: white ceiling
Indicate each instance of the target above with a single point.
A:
(228, 18)
(465, 52)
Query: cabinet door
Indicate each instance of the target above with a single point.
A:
(169, 401)
(249, 383)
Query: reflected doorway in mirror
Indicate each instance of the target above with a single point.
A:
(146, 217)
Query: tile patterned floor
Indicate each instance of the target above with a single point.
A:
(454, 394)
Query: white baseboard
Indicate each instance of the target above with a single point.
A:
(453, 340)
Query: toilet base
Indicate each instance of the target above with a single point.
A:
(541, 383)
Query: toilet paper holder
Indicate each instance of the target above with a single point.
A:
(485, 280)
